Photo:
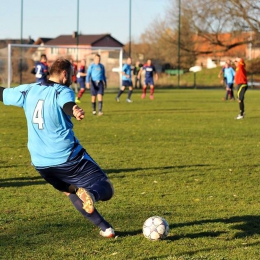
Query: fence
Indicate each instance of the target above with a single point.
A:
(17, 60)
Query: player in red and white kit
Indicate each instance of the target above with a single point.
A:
(74, 76)
(81, 79)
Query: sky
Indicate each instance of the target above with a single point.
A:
(51, 18)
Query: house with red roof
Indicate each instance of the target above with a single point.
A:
(211, 52)
(78, 47)
(73, 46)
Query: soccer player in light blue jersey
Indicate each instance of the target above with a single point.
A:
(229, 74)
(126, 80)
(55, 151)
(97, 77)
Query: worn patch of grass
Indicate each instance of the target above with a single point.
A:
(182, 156)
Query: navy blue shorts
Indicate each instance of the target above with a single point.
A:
(81, 83)
(81, 171)
(97, 87)
(230, 85)
(127, 83)
(149, 81)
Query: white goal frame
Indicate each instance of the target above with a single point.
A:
(96, 49)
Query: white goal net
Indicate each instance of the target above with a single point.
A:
(17, 61)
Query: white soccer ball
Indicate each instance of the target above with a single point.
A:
(155, 228)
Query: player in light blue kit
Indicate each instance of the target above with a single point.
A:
(126, 81)
(55, 151)
(229, 74)
(97, 76)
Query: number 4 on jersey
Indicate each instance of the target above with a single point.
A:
(38, 114)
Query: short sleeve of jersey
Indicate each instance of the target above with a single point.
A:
(15, 96)
(66, 95)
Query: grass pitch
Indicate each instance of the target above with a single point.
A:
(182, 156)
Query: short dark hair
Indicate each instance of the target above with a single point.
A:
(44, 56)
(97, 55)
(59, 65)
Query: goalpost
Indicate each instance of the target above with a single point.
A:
(19, 59)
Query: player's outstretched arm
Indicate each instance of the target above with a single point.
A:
(78, 112)
(72, 109)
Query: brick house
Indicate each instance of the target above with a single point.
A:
(83, 47)
(219, 54)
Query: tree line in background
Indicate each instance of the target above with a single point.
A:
(200, 20)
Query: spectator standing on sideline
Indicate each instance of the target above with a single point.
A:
(150, 71)
(126, 80)
(229, 74)
(74, 84)
(81, 79)
(96, 76)
(138, 81)
(41, 70)
(224, 80)
(61, 160)
(241, 81)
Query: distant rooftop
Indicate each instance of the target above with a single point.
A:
(89, 39)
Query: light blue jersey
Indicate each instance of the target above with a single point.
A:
(50, 136)
(229, 74)
(128, 71)
(96, 72)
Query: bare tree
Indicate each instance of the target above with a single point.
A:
(162, 37)
(210, 19)
(220, 25)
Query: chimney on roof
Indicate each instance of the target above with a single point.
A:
(74, 35)
(30, 40)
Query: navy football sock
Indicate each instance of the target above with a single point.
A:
(129, 94)
(120, 93)
(95, 217)
(93, 106)
(100, 105)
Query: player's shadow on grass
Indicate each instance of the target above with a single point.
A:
(129, 233)
(246, 226)
(196, 235)
(108, 171)
(22, 181)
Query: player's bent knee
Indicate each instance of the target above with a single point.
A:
(112, 187)
(109, 190)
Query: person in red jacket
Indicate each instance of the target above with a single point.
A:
(241, 81)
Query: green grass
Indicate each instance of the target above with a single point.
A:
(204, 78)
(181, 156)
